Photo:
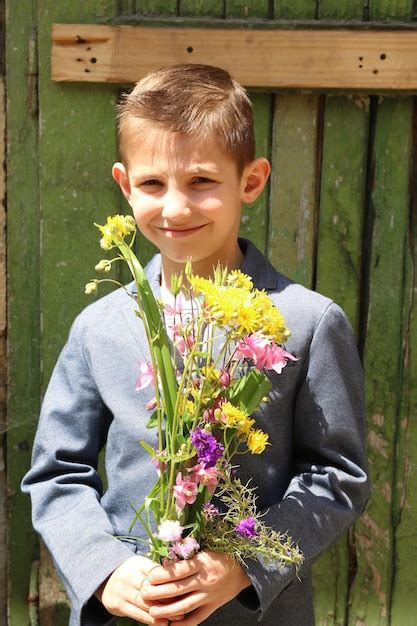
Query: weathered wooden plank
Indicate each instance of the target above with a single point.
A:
(199, 8)
(295, 9)
(371, 591)
(76, 151)
(390, 10)
(23, 290)
(293, 184)
(245, 8)
(127, 7)
(321, 59)
(3, 345)
(343, 180)
(404, 599)
(156, 7)
(68, 177)
(254, 222)
(331, 10)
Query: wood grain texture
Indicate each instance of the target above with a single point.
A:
(391, 10)
(371, 592)
(199, 8)
(321, 59)
(157, 7)
(293, 185)
(75, 185)
(404, 598)
(341, 10)
(23, 224)
(343, 179)
(295, 9)
(246, 9)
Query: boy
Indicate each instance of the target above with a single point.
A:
(187, 165)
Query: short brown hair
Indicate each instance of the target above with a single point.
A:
(193, 99)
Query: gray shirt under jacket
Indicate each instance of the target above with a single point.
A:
(312, 479)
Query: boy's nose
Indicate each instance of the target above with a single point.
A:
(176, 206)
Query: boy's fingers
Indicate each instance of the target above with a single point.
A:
(184, 605)
(176, 571)
(170, 590)
(134, 612)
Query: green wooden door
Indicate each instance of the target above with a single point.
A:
(339, 216)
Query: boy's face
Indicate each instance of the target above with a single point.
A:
(186, 198)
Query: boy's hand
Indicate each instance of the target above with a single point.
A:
(203, 584)
(121, 593)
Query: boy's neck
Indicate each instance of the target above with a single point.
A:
(203, 268)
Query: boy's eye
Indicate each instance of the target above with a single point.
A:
(201, 180)
(151, 182)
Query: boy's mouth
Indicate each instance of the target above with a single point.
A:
(181, 232)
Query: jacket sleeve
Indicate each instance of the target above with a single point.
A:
(64, 484)
(329, 487)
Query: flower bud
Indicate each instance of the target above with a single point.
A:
(105, 244)
(130, 223)
(176, 284)
(91, 288)
(103, 266)
(225, 378)
(188, 267)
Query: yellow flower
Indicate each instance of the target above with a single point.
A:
(236, 418)
(257, 441)
(236, 278)
(272, 323)
(115, 230)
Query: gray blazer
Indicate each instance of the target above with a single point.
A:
(312, 479)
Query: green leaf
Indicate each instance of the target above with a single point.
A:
(248, 391)
(148, 448)
(153, 420)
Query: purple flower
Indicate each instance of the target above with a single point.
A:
(210, 511)
(208, 448)
(247, 528)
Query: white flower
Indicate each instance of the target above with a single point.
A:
(170, 530)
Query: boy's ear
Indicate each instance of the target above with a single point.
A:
(121, 177)
(254, 179)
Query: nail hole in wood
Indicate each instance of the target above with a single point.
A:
(80, 39)
(190, 49)
(375, 71)
(360, 58)
(86, 70)
(361, 65)
(79, 59)
(89, 48)
(93, 60)
(383, 56)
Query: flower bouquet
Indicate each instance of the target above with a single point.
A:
(209, 349)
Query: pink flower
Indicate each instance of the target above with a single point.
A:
(185, 492)
(159, 465)
(145, 378)
(252, 347)
(170, 530)
(181, 342)
(207, 476)
(264, 353)
(151, 404)
(177, 309)
(184, 549)
(224, 378)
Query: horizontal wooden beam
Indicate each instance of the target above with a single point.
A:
(372, 61)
